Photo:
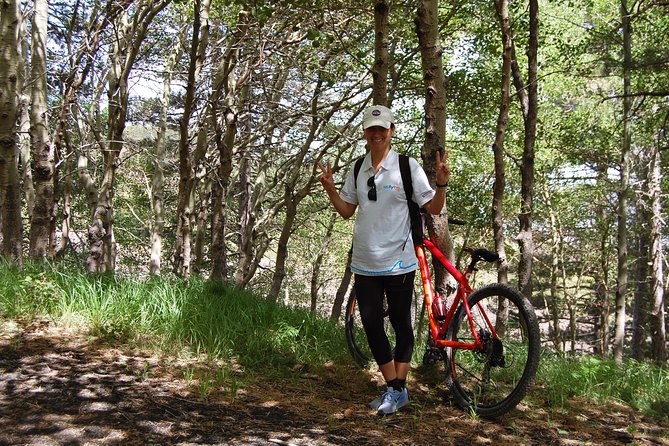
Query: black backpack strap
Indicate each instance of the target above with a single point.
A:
(414, 211)
(356, 171)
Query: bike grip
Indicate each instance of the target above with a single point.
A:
(455, 221)
(488, 256)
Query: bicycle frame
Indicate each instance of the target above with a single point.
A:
(437, 330)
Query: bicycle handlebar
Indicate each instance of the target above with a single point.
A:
(482, 254)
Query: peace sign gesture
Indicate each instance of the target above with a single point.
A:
(327, 180)
(441, 169)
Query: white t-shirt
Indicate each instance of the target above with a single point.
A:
(382, 243)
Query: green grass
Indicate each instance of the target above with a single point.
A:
(213, 321)
(195, 318)
(642, 385)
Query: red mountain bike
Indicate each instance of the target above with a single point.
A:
(488, 339)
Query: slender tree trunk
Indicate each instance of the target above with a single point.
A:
(228, 85)
(187, 165)
(657, 315)
(11, 75)
(502, 8)
(601, 305)
(344, 285)
(124, 50)
(381, 53)
(318, 263)
(219, 266)
(203, 206)
(525, 237)
(157, 182)
(642, 242)
(43, 222)
(25, 157)
(246, 224)
(427, 29)
(291, 202)
(83, 60)
(621, 289)
(641, 294)
(66, 222)
(553, 305)
(102, 252)
(225, 143)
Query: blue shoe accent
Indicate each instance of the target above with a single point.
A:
(393, 400)
(379, 400)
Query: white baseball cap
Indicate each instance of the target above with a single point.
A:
(377, 115)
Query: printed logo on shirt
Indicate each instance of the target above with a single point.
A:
(392, 187)
(426, 194)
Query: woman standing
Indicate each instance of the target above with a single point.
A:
(384, 261)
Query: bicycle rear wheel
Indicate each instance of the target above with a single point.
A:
(355, 335)
(356, 339)
(493, 380)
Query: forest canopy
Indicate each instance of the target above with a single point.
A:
(167, 137)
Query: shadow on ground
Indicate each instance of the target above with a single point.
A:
(58, 387)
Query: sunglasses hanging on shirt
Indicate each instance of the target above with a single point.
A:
(372, 189)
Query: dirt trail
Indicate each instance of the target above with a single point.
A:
(63, 388)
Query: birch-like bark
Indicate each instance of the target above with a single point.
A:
(25, 157)
(427, 29)
(502, 8)
(157, 181)
(657, 313)
(123, 53)
(43, 222)
(11, 80)
(100, 16)
(621, 288)
(203, 205)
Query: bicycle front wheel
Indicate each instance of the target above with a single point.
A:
(494, 379)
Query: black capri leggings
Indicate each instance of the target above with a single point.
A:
(398, 290)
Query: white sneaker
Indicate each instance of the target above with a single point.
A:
(379, 400)
(393, 400)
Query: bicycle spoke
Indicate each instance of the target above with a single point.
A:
(495, 377)
(470, 374)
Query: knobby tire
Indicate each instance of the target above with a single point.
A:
(355, 336)
(493, 381)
